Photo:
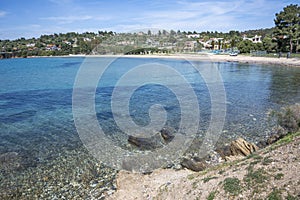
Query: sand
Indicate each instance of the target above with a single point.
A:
(295, 62)
(292, 62)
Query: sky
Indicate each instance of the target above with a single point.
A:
(32, 18)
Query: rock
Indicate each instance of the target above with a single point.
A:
(277, 134)
(242, 147)
(224, 151)
(193, 165)
(146, 143)
(158, 140)
(167, 133)
(233, 158)
(10, 161)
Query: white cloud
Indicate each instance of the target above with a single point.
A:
(73, 18)
(217, 15)
(187, 15)
(67, 19)
(2, 13)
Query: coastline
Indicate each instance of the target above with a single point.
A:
(271, 171)
(291, 62)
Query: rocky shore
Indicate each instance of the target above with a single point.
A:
(242, 170)
(271, 173)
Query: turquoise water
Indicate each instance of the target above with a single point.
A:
(36, 119)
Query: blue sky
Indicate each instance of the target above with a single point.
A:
(21, 18)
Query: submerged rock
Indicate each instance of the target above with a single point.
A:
(9, 161)
(156, 141)
(167, 133)
(146, 143)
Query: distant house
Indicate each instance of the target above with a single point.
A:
(193, 36)
(52, 47)
(205, 44)
(87, 39)
(30, 45)
(213, 43)
(75, 43)
(255, 39)
(140, 33)
(67, 42)
(190, 45)
(125, 42)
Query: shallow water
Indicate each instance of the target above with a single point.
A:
(36, 119)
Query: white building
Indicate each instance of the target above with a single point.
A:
(255, 39)
(193, 36)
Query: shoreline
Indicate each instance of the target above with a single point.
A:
(291, 62)
(276, 164)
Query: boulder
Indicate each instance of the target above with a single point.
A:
(193, 165)
(233, 158)
(167, 133)
(242, 147)
(224, 151)
(149, 143)
(158, 140)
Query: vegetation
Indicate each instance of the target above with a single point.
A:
(289, 118)
(205, 180)
(274, 195)
(287, 30)
(283, 37)
(255, 179)
(212, 195)
(232, 186)
(279, 176)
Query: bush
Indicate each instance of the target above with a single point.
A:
(232, 186)
(289, 118)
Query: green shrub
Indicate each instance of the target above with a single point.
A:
(211, 195)
(274, 195)
(289, 118)
(255, 177)
(279, 176)
(205, 180)
(232, 186)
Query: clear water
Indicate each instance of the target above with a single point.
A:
(36, 118)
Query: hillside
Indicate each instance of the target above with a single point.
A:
(110, 42)
(271, 173)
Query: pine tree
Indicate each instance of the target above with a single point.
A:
(287, 28)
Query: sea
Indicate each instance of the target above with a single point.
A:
(65, 121)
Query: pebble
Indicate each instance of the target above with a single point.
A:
(76, 175)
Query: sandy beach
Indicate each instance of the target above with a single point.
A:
(226, 58)
(292, 62)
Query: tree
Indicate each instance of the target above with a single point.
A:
(268, 44)
(165, 32)
(159, 33)
(287, 24)
(172, 32)
(246, 46)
